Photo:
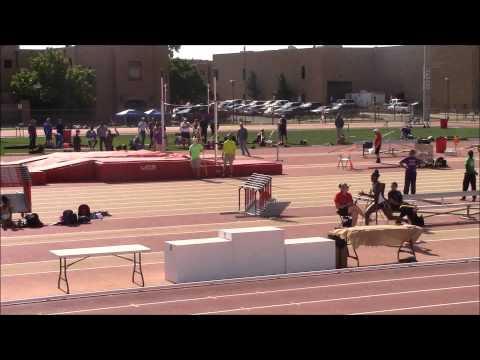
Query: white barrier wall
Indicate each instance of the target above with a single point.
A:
(256, 251)
(309, 254)
(198, 260)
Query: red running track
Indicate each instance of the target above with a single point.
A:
(435, 288)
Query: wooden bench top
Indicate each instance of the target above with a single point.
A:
(101, 250)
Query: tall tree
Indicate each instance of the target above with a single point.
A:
(185, 82)
(252, 86)
(172, 49)
(284, 91)
(51, 82)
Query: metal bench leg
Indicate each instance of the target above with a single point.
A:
(137, 264)
(353, 257)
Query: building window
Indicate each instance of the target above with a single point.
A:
(303, 72)
(134, 70)
(7, 64)
(244, 74)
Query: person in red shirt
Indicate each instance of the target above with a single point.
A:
(377, 143)
(345, 206)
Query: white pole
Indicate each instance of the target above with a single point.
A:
(162, 109)
(215, 116)
(208, 98)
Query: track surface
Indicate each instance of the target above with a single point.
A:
(434, 289)
(152, 213)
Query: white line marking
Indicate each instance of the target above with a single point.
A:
(417, 307)
(338, 299)
(271, 292)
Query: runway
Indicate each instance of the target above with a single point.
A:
(441, 288)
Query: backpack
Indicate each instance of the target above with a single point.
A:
(418, 220)
(440, 163)
(33, 221)
(84, 210)
(69, 218)
(84, 219)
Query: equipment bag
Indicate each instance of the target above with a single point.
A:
(418, 220)
(33, 221)
(69, 218)
(84, 210)
(84, 220)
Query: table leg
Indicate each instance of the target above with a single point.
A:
(137, 264)
(63, 271)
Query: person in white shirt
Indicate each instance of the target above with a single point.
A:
(185, 132)
(379, 203)
(142, 130)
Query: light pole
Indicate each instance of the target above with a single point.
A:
(447, 89)
(208, 98)
(426, 85)
(232, 82)
(272, 107)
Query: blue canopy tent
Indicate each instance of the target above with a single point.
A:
(130, 115)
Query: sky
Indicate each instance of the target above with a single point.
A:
(205, 52)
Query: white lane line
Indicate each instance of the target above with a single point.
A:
(272, 291)
(417, 307)
(82, 269)
(337, 299)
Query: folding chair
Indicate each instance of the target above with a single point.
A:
(345, 161)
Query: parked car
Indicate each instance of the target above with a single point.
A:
(347, 109)
(287, 106)
(190, 113)
(400, 107)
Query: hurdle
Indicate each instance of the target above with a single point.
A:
(257, 194)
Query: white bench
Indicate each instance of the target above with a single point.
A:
(85, 253)
(435, 207)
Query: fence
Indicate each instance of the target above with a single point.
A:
(84, 117)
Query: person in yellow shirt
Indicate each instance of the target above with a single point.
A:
(229, 149)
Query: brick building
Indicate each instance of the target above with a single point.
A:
(317, 74)
(127, 76)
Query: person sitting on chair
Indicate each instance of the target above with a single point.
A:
(396, 203)
(260, 140)
(345, 206)
(379, 202)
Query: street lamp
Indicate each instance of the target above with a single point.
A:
(447, 89)
(232, 82)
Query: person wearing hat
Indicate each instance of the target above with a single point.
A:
(470, 177)
(282, 131)
(379, 203)
(345, 206)
(229, 149)
(377, 143)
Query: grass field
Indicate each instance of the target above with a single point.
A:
(313, 137)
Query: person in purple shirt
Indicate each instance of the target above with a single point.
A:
(410, 164)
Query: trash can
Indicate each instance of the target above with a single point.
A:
(444, 123)
(67, 136)
(440, 144)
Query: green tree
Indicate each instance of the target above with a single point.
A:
(51, 82)
(185, 82)
(252, 86)
(284, 91)
(172, 49)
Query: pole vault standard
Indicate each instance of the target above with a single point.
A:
(215, 115)
(162, 109)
